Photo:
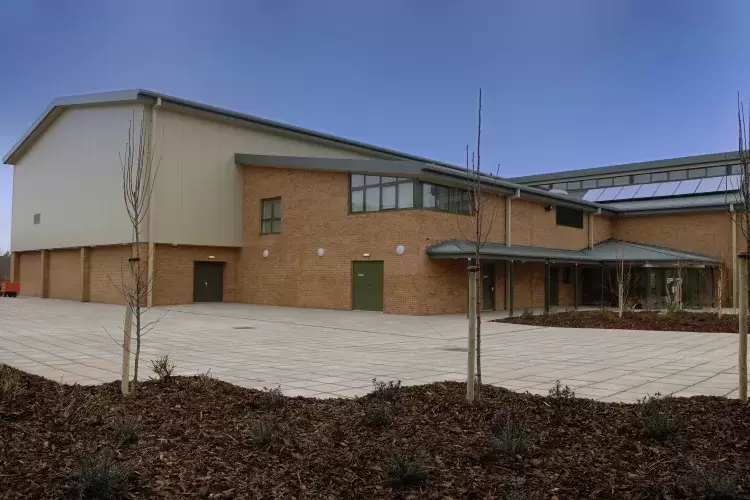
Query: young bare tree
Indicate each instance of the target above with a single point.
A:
(139, 169)
(673, 288)
(715, 280)
(480, 194)
(741, 218)
(624, 284)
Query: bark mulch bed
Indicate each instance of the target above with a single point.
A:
(638, 320)
(202, 438)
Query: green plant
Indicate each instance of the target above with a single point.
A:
(11, 383)
(101, 478)
(512, 437)
(715, 486)
(527, 314)
(272, 398)
(264, 434)
(386, 391)
(127, 428)
(163, 368)
(560, 399)
(97, 406)
(658, 418)
(406, 469)
(377, 415)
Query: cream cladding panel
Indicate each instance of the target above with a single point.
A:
(72, 178)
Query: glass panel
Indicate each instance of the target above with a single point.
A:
(276, 226)
(267, 209)
(389, 197)
(443, 198)
(372, 199)
(428, 196)
(732, 184)
(716, 171)
(372, 179)
(591, 183)
(647, 191)
(604, 182)
(266, 227)
(465, 203)
(659, 177)
(277, 207)
(710, 184)
(592, 194)
(736, 169)
(642, 178)
(574, 185)
(696, 173)
(559, 185)
(666, 188)
(609, 194)
(627, 192)
(406, 195)
(358, 200)
(542, 186)
(358, 180)
(387, 179)
(677, 175)
(621, 181)
(687, 187)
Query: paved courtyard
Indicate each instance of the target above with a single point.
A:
(337, 353)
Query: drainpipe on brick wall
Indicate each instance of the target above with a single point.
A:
(151, 238)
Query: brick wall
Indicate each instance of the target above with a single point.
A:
(315, 215)
(532, 225)
(31, 274)
(108, 267)
(173, 268)
(602, 228)
(65, 274)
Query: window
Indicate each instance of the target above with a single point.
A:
(605, 182)
(716, 171)
(677, 175)
(574, 185)
(569, 217)
(448, 199)
(559, 185)
(566, 272)
(270, 216)
(622, 181)
(659, 177)
(642, 178)
(37, 218)
(589, 184)
(372, 193)
(696, 173)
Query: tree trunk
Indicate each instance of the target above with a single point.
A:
(472, 331)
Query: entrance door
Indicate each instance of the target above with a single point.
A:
(554, 286)
(488, 287)
(367, 286)
(208, 282)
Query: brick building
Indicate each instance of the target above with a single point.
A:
(253, 211)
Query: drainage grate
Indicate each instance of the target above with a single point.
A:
(244, 328)
(455, 349)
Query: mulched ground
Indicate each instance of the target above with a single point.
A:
(638, 320)
(199, 438)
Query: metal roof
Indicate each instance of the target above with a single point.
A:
(730, 157)
(604, 252)
(678, 203)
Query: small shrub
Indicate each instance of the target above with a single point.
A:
(271, 399)
(406, 469)
(377, 416)
(101, 479)
(714, 486)
(386, 391)
(527, 314)
(11, 383)
(128, 429)
(163, 368)
(658, 419)
(264, 434)
(560, 399)
(512, 437)
(97, 407)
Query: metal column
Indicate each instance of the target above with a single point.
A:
(546, 286)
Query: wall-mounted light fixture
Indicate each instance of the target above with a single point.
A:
(320, 252)
(265, 253)
(365, 255)
(211, 257)
(400, 249)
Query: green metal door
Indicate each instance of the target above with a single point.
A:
(488, 287)
(367, 289)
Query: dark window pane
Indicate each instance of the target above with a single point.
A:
(559, 185)
(266, 227)
(621, 181)
(358, 180)
(696, 173)
(428, 196)
(569, 217)
(372, 179)
(659, 177)
(574, 185)
(677, 175)
(589, 184)
(443, 198)
(358, 200)
(466, 203)
(389, 197)
(372, 199)
(276, 226)
(642, 178)
(716, 171)
(605, 182)
(267, 209)
(277, 207)
(406, 195)
(386, 180)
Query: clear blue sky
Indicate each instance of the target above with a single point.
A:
(567, 84)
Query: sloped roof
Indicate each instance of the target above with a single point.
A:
(678, 202)
(607, 251)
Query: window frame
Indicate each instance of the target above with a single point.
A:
(570, 212)
(457, 200)
(396, 183)
(273, 217)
